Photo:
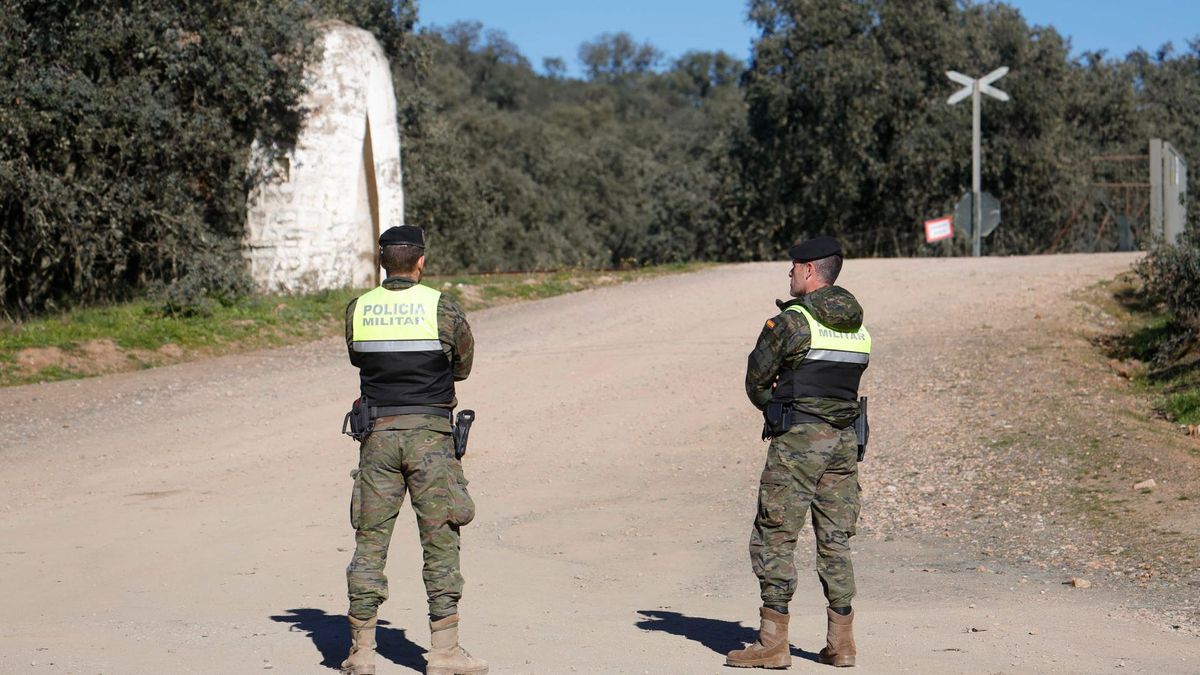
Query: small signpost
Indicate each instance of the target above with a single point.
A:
(975, 88)
(939, 229)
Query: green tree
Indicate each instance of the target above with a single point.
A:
(508, 169)
(124, 139)
(618, 56)
(126, 130)
(850, 134)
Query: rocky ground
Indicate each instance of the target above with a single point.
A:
(1046, 455)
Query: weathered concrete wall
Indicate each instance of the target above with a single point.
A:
(1168, 192)
(315, 225)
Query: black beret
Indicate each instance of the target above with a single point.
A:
(815, 249)
(404, 235)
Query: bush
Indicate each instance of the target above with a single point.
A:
(1171, 274)
(209, 281)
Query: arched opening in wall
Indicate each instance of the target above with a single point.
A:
(370, 233)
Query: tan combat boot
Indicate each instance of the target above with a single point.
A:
(772, 649)
(839, 642)
(446, 657)
(362, 648)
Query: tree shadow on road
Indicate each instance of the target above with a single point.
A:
(330, 634)
(720, 636)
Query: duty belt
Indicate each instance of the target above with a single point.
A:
(801, 417)
(779, 417)
(390, 410)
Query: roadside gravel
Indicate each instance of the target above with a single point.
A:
(1038, 447)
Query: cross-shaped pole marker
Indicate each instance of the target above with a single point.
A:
(975, 88)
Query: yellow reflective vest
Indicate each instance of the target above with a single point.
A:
(833, 366)
(398, 352)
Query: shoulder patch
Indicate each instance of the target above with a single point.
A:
(771, 324)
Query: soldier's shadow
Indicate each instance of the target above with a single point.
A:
(720, 636)
(330, 633)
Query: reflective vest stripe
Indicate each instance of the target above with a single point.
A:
(398, 346)
(835, 355)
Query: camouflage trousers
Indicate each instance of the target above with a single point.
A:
(811, 467)
(420, 461)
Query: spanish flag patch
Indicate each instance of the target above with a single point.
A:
(771, 324)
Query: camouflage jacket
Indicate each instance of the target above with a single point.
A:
(453, 330)
(784, 342)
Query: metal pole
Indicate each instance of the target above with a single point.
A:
(976, 181)
(975, 88)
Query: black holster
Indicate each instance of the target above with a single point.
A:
(358, 422)
(777, 419)
(862, 429)
(461, 430)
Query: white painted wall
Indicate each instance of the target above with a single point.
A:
(317, 226)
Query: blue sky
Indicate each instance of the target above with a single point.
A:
(548, 28)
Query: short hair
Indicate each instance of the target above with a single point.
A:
(398, 259)
(828, 268)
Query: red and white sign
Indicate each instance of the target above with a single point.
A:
(939, 229)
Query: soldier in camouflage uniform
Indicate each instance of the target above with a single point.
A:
(410, 344)
(808, 361)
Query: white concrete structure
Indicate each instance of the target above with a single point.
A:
(1168, 192)
(314, 225)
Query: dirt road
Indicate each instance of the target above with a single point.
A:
(194, 518)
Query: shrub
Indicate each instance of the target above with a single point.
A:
(1171, 274)
(209, 281)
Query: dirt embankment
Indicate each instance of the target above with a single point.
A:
(94, 357)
